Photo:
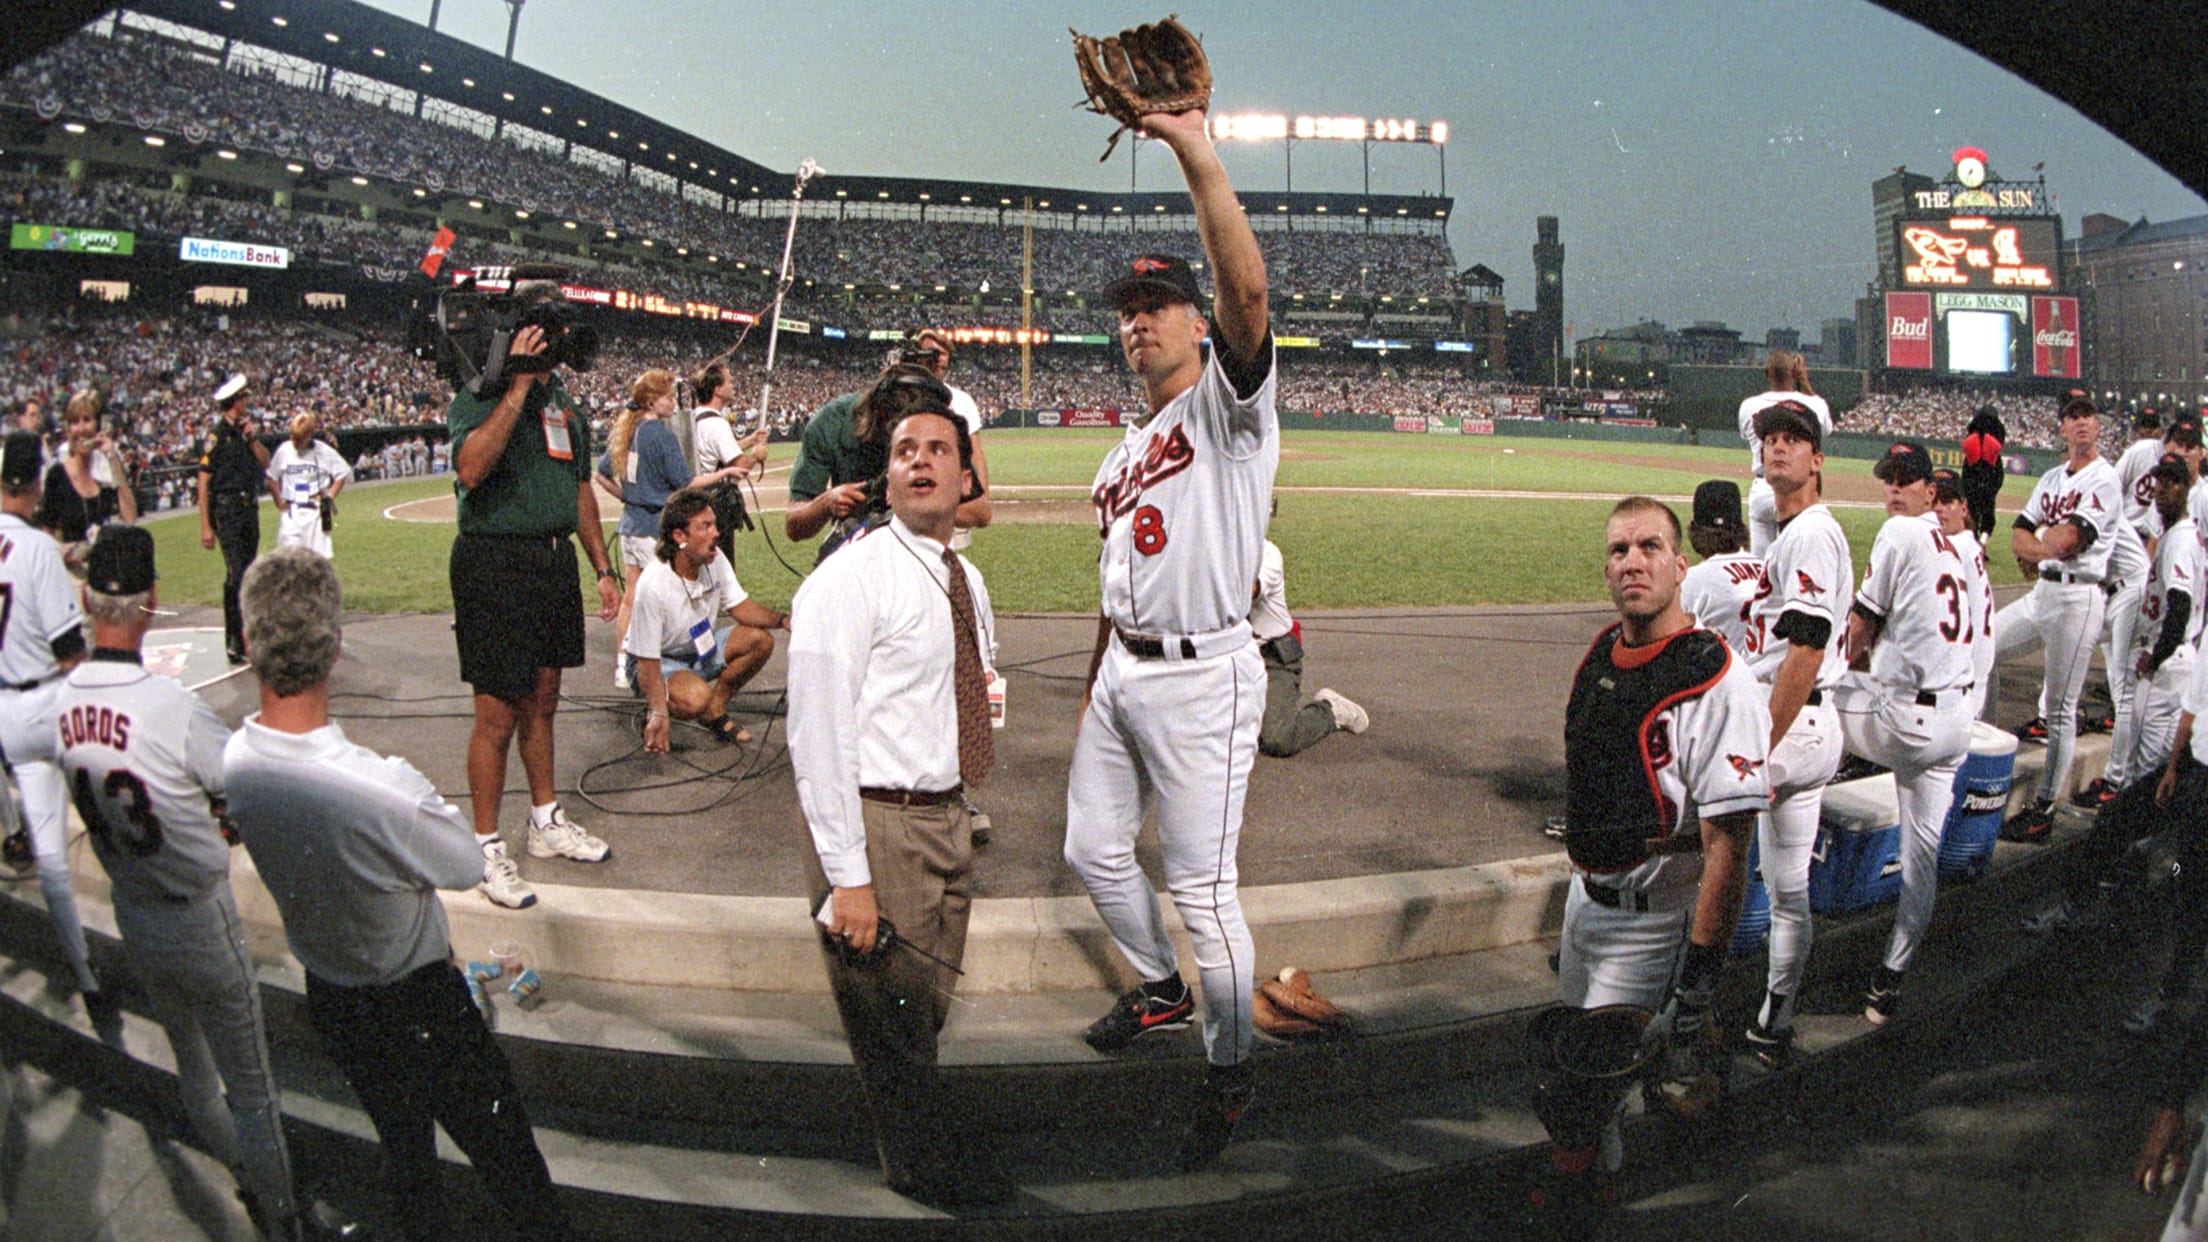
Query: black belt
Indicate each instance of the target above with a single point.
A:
(1931, 698)
(32, 684)
(914, 797)
(1616, 899)
(2067, 578)
(235, 498)
(1143, 647)
(1816, 698)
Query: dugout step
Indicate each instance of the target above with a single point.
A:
(1430, 1100)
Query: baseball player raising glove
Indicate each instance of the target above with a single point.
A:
(1152, 68)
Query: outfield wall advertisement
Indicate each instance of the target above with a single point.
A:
(241, 254)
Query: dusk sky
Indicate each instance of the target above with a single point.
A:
(1706, 161)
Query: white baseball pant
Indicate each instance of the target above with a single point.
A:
(28, 740)
(1925, 746)
(1763, 516)
(1178, 737)
(2064, 618)
(1802, 764)
(200, 985)
(2120, 661)
(2155, 706)
(1618, 956)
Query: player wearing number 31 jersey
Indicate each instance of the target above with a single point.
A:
(1914, 627)
(1177, 688)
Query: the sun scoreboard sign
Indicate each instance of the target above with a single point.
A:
(1277, 127)
(1980, 252)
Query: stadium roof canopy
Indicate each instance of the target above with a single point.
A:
(349, 36)
(2094, 54)
(437, 65)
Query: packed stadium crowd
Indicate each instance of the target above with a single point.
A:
(134, 79)
(1942, 414)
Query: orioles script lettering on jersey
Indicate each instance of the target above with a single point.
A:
(95, 726)
(1167, 456)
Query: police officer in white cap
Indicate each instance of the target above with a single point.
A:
(231, 462)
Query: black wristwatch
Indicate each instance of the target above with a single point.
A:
(609, 572)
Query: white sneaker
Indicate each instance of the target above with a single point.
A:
(502, 881)
(1348, 717)
(562, 839)
(620, 672)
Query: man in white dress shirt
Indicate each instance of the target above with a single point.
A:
(889, 722)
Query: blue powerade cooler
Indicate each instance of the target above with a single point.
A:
(1857, 860)
(1981, 798)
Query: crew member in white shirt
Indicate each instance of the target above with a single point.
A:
(889, 722)
(304, 477)
(684, 665)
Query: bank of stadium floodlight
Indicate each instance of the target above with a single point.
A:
(74, 127)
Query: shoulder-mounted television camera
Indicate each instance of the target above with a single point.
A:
(468, 330)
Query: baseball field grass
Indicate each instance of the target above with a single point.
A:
(1390, 537)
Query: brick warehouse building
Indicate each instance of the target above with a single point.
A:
(2143, 291)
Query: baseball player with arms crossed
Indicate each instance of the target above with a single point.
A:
(2131, 564)
(1720, 591)
(1912, 627)
(2169, 629)
(1665, 741)
(2059, 539)
(1794, 648)
(144, 756)
(1176, 688)
(41, 638)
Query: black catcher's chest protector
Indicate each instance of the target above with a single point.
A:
(1614, 746)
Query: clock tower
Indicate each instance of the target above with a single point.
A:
(1548, 298)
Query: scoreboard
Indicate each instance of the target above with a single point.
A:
(1979, 252)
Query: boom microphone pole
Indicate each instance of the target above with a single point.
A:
(806, 171)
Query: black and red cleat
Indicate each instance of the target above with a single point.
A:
(2034, 730)
(2034, 825)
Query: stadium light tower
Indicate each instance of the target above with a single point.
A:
(513, 24)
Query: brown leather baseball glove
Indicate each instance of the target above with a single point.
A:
(1157, 67)
(1288, 1008)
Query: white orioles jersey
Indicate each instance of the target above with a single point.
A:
(2092, 497)
(2138, 489)
(143, 754)
(2178, 567)
(38, 602)
(1807, 573)
(1720, 593)
(1182, 503)
(1918, 590)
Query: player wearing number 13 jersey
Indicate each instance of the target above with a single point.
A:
(1916, 620)
(144, 756)
(1177, 688)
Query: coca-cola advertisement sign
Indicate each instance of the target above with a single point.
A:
(2055, 338)
(1909, 331)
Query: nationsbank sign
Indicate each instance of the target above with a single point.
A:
(242, 254)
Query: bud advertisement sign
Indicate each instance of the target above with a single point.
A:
(2055, 338)
(1909, 331)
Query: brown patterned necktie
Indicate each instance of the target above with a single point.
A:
(977, 750)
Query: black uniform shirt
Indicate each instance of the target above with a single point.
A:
(227, 457)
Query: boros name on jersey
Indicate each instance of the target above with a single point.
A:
(1167, 456)
(86, 725)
